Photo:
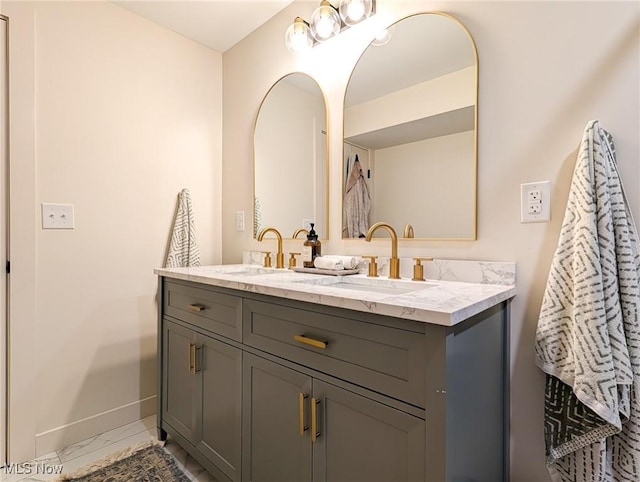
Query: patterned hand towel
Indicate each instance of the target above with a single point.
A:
(183, 248)
(588, 334)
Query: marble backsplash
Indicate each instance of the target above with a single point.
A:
(467, 271)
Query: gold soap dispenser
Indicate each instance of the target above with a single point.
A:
(311, 248)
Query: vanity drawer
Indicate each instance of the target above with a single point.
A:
(204, 307)
(382, 358)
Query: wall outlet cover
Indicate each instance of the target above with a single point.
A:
(535, 202)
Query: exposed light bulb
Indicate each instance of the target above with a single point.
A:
(355, 11)
(298, 38)
(325, 22)
(324, 28)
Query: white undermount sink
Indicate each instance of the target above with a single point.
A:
(373, 285)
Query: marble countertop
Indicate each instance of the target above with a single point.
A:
(438, 301)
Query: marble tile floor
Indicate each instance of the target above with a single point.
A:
(83, 453)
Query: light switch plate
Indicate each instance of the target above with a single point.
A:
(57, 216)
(535, 202)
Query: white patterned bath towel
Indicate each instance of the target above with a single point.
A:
(588, 334)
(183, 247)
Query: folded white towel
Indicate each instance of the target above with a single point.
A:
(348, 262)
(326, 262)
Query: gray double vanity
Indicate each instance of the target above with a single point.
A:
(282, 376)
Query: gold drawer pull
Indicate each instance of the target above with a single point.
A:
(302, 426)
(314, 419)
(310, 341)
(196, 307)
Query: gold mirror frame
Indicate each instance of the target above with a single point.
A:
(291, 157)
(469, 111)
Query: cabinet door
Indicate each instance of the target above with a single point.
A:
(218, 434)
(276, 445)
(178, 379)
(361, 440)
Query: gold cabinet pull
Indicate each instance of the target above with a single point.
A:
(314, 419)
(192, 357)
(302, 426)
(196, 348)
(196, 307)
(310, 341)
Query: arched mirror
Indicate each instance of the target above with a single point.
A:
(410, 121)
(290, 158)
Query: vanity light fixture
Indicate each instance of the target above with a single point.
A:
(298, 36)
(326, 21)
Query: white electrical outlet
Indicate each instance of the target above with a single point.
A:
(239, 220)
(306, 223)
(57, 216)
(535, 198)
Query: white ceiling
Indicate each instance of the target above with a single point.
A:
(218, 24)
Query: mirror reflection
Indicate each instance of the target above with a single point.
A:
(410, 132)
(290, 158)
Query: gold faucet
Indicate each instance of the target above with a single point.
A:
(408, 231)
(298, 231)
(280, 254)
(394, 262)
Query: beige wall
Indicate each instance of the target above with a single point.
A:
(428, 184)
(546, 69)
(115, 115)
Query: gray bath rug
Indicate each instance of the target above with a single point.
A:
(146, 463)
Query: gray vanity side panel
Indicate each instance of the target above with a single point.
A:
(476, 410)
(506, 401)
(162, 435)
(436, 403)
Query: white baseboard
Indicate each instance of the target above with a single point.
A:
(60, 437)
